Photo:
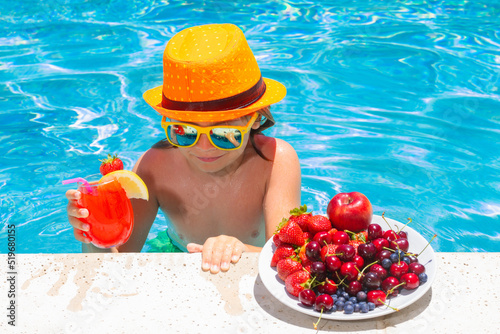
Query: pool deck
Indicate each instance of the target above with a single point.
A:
(168, 293)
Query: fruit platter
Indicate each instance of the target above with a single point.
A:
(345, 265)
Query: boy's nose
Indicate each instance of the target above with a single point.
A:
(204, 143)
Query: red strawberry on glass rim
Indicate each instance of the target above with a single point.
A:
(110, 164)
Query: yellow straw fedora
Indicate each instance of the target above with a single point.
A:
(209, 75)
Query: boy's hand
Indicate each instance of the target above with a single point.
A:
(74, 212)
(218, 252)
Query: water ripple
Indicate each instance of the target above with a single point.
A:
(397, 100)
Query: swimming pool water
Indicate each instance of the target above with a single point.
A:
(398, 100)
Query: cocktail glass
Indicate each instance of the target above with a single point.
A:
(111, 218)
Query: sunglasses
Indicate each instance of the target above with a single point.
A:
(224, 137)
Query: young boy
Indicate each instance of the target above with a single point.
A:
(223, 186)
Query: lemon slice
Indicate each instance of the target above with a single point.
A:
(131, 182)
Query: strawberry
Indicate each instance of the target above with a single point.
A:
(301, 216)
(303, 258)
(291, 233)
(286, 267)
(282, 252)
(355, 244)
(308, 236)
(277, 241)
(319, 223)
(329, 249)
(110, 164)
(296, 282)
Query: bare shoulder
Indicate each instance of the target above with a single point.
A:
(154, 158)
(277, 149)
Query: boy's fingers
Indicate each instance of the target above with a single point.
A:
(194, 248)
(73, 195)
(74, 211)
(78, 224)
(80, 237)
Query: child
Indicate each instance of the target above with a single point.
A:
(223, 186)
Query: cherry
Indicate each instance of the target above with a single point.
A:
(410, 281)
(383, 254)
(401, 244)
(376, 297)
(403, 234)
(349, 270)
(371, 281)
(328, 287)
(346, 252)
(358, 260)
(323, 301)
(340, 238)
(332, 263)
(367, 251)
(374, 231)
(390, 235)
(389, 285)
(379, 270)
(354, 287)
(318, 269)
(416, 268)
(313, 250)
(323, 238)
(413, 258)
(307, 297)
(398, 269)
(380, 243)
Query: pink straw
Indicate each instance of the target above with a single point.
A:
(79, 179)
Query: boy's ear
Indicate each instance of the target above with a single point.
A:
(256, 124)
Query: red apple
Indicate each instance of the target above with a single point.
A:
(350, 211)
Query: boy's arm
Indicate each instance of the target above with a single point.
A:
(144, 211)
(284, 187)
(144, 216)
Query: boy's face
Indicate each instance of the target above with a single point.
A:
(208, 158)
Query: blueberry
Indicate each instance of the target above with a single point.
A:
(386, 263)
(334, 297)
(371, 306)
(364, 308)
(348, 309)
(422, 277)
(342, 299)
(340, 305)
(357, 307)
(348, 303)
(354, 300)
(361, 296)
(345, 295)
(394, 257)
(407, 260)
(334, 308)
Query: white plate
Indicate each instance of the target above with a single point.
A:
(276, 286)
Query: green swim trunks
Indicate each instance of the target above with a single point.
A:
(162, 244)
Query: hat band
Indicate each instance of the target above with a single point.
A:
(237, 101)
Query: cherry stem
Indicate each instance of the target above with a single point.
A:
(383, 213)
(360, 275)
(409, 221)
(435, 235)
(392, 290)
(395, 309)
(316, 323)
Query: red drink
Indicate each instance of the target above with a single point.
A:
(111, 217)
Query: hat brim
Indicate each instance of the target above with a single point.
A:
(275, 92)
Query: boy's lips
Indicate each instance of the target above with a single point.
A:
(209, 159)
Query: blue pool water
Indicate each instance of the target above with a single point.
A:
(398, 100)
